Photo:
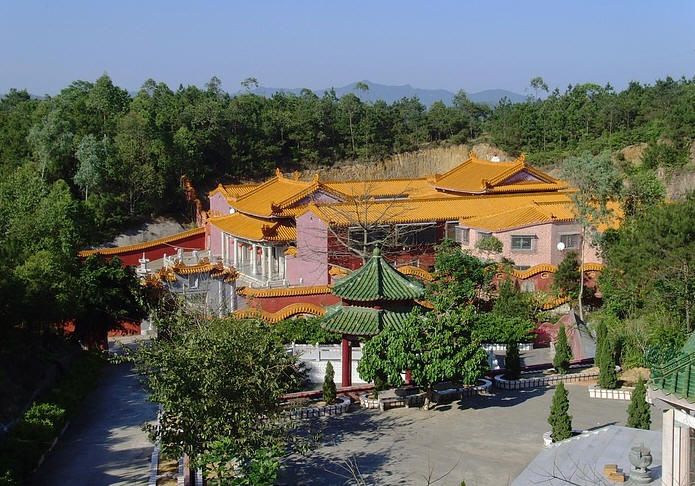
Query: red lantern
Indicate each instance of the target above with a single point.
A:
(259, 251)
(241, 245)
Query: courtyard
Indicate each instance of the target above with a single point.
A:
(484, 441)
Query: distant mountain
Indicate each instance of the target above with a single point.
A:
(390, 93)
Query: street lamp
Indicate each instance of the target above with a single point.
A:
(561, 246)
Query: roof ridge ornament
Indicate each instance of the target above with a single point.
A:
(278, 173)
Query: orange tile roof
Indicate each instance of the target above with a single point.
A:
(231, 191)
(257, 229)
(476, 176)
(142, 246)
(285, 291)
(528, 215)
(284, 313)
(264, 199)
(380, 187)
(424, 210)
(416, 272)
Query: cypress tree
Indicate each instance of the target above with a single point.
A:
(512, 361)
(329, 390)
(607, 377)
(563, 353)
(601, 336)
(560, 421)
(638, 413)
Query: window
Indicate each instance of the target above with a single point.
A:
(523, 242)
(463, 235)
(417, 234)
(375, 236)
(572, 241)
(482, 235)
(451, 230)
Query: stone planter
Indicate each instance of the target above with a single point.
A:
(548, 441)
(459, 393)
(605, 393)
(547, 380)
(385, 402)
(326, 410)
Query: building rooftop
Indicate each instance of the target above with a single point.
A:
(580, 460)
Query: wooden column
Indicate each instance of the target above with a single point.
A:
(346, 357)
(408, 377)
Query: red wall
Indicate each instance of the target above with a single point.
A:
(274, 304)
(196, 242)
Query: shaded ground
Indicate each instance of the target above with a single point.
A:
(104, 444)
(484, 441)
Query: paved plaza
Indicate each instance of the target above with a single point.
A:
(486, 441)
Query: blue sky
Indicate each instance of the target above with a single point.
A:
(472, 45)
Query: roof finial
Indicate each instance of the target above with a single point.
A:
(316, 177)
(296, 175)
(376, 251)
(278, 173)
(521, 159)
(471, 155)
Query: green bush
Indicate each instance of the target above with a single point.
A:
(560, 420)
(664, 155)
(490, 327)
(304, 331)
(24, 443)
(329, 390)
(607, 377)
(563, 353)
(639, 415)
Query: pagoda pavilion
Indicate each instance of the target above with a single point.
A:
(372, 297)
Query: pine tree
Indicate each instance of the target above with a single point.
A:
(512, 361)
(638, 413)
(563, 353)
(560, 421)
(329, 391)
(607, 377)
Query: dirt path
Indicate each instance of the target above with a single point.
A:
(104, 444)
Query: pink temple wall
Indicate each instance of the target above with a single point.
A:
(218, 205)
(545, 249)
(214, 240)
(311, 262)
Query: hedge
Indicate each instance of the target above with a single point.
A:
(25, 442)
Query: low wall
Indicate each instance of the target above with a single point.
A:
(605, 393)
(503, 347)
(326, 410)
(316, 357)
(538, 381)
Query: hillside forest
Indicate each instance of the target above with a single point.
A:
(121, 157)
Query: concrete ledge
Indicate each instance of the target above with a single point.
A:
(383, 404)
(605, 393)
(462, 392)
(316, 412)
(548, 380)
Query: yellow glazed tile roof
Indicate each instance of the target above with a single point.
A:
(380, 188)
(256, 229)
(528, 215)
(284, 313)
(478, 176)
(284, 292)
(266, 198)
(143, 246)
(424, 210)
(231, 191)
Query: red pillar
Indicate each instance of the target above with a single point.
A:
(346, 356)
(408, 377)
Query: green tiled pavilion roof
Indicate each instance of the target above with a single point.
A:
(377, 280)
(360, 321)
(677, 376)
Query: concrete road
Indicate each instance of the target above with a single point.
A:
(104, 444)
(486, 441)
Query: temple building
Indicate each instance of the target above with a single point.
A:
(288, 232)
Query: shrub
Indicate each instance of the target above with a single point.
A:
(490, 327)
(563, 353)
(512, 362)
(24, 443)
(304, 331)
(664, 155)
(560, 421)
(329, 390)
(638, 413)
(607, 377)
